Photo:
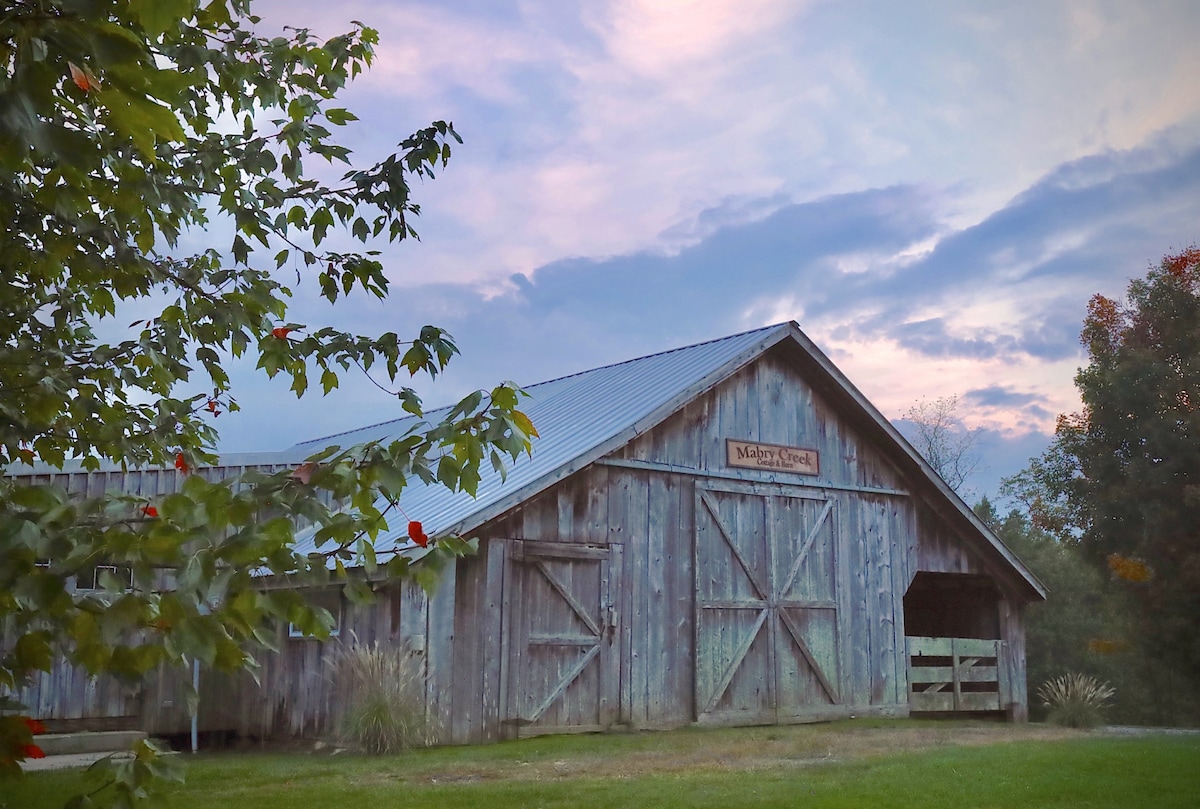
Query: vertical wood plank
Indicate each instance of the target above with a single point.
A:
(440, 653)
(511, 624)
(596, 519)
(491, 622)
(654, 609)
(610, 684)
(858, 614)
(771, 537)
(637, 550)
(883, 620)
(466, 699)
(900, 578)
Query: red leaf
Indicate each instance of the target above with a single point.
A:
(303, 472)
(280, 332)
(150, 511)
(79, 77)
(417, 534)
(181, 463)
(35, 725)
(32, 751)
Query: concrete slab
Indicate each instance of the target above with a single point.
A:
(108, 741)
(67, 761)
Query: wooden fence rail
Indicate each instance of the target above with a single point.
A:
(956, 674)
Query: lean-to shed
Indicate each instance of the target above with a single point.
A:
(724, 533)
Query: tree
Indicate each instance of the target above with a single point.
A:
(1084, 626)
(116, 139)
(938, 434)
(1122, 477)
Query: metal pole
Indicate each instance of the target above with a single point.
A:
(196, 712)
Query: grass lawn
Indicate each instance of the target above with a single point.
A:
(850, 764)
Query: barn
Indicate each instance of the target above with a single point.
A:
(726, 533)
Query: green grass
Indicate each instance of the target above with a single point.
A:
(832, 766)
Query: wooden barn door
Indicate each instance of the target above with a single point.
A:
(766, 602)
(563, 667)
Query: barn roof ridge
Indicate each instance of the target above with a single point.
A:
(657, 354)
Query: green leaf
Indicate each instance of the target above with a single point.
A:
(157, 16)
(339, 116)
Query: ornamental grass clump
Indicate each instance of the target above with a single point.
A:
(1076, 700)
(384, 693)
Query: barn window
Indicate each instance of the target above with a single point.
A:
(330, 600)
(111, 578)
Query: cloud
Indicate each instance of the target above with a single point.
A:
(613, 128)
(930, 337)
(1002, 396)
(933, 194)
(988, 305)
(1017, 282)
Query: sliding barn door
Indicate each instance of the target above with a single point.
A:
(564, 667)
(767, 621)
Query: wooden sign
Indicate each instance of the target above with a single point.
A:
(775, 457)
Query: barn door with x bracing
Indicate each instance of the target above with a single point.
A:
(766, 603)
(564, 666)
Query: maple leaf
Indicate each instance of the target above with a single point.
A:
(150, 511)
(417, 534)
(181, 463)
(32, 751)
(84, 79)
(35, 725)
(280, 332)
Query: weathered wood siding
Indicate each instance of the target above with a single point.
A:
(843, 604)
(298, 692)
(138, 482)
(66, 695)
(659, 586)
(937, 548)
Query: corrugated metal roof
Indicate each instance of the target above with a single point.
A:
(576, 417)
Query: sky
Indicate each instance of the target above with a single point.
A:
(932, 190)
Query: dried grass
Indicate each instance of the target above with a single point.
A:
(1076, 700)
(384, 692)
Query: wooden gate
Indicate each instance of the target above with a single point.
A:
(767, 645)
(564, 665)
(957, 674)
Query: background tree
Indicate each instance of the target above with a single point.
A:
(1087, 625)
(1122, 478)
(124, 124)
(936, 431)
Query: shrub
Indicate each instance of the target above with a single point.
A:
(383, 693)
(1075, 700)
